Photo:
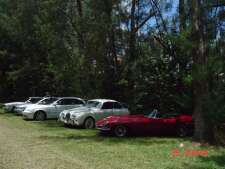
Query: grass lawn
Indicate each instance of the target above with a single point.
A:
(49, 145)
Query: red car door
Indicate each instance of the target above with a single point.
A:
(169, 125)
(139, 125)
(155, 126)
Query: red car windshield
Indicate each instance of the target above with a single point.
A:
(156, 114)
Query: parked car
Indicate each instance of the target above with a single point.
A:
(153, 124)
(20, 108)
(50, 109)
(93, 111)
(11, 106)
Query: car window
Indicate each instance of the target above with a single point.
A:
(34, 100)
(47, 101)
(92, 104)
(75, 101)
(117, 105)
(64, 102)
(107, 105)
(69, 102)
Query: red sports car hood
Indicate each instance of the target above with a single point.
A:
(125, 118)
(136, 118)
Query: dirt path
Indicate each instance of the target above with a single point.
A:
(20, 149)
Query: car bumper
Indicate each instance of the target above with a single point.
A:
(103, 128)
(76, 122)
(18, 111)
(65, 120)
(7, 109)
(27, 115)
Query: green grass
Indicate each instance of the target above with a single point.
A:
(87, 149)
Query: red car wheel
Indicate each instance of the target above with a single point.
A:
(182, 131)
(120, 131)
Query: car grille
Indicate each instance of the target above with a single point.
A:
(68, 116)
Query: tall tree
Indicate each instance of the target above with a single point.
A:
(200, 84)
(182, 15)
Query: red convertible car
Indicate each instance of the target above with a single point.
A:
(153, 124)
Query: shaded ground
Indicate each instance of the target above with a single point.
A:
(48, 145)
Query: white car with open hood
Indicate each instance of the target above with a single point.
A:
(51, 108)
(93, 111)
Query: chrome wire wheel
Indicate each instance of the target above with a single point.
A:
(89, 123)
(182, 131)
(12, 109)
(120, 131)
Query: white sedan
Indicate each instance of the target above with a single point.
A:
(20, 108)
(11, 106)
(51, 108)
(93, 111)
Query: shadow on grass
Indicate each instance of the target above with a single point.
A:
(219, 160)
(6, 114)
(57, 134)
(209, 162)
(94, 136)
(50, 124)
(81, 134)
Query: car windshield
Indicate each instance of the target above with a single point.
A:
(47, 101)
(33, 100)
(153, 114)
(91, 104)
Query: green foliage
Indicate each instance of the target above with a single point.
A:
(54, 46)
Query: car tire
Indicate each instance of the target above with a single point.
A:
(89, 123)
(12, 109)
(120, 131)
(40, 116)
(67, 125)
(182, 131)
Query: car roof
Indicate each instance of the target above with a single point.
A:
(69, 98)
(103, 100)
(36, 97)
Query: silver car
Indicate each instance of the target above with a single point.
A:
(19, 109)
(12, 105)
(93, 111)
(51, 108)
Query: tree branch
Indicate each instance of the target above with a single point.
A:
(144, 21)
(221, 4)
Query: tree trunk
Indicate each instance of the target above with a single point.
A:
(182, 17)
(200, 86)
(132, 43)
(80, 30)
(131, 75)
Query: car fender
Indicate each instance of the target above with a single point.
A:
(87, 115)
(42, 110)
